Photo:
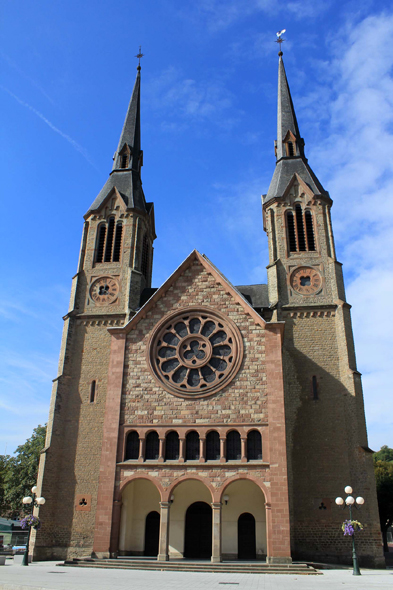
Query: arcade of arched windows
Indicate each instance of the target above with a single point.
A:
(185, 445)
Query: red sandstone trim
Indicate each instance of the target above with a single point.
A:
(106, 485)
(277, 514)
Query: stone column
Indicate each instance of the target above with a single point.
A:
(269, 532)
(216, 536)
(182, 450)
(161, 452)
(142, 443)
(163, 544)
(202, 448)
(222, 450)
(244, 450)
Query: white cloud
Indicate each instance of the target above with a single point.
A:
(188, 102)
(355, 158)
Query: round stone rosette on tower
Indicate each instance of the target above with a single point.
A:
(195, 352)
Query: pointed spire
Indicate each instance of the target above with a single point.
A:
(286, 117)
(128, 158)
(289, 145)
(129, 147)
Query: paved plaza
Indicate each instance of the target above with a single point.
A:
(48, 576)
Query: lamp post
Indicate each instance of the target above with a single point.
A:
(34, 501)
(351, 502)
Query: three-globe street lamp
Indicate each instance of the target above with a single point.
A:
(34, 501)
(351, 502)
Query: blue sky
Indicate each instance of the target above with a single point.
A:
(209, 82)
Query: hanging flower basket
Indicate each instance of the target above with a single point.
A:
(30, 521)
(350, 527)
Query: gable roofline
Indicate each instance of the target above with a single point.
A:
(219, 277)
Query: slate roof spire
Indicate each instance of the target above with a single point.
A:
(290, 158)
(286, 116)
(128, 159)
(131, 132)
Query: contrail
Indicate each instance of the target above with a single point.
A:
(12, 64)
(74, 144)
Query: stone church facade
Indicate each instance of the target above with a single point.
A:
(200, 419)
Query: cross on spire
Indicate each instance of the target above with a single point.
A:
(139, 55)
(280, 40)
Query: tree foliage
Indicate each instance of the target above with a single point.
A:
(19, 473)
(383, 467)
(384, 454)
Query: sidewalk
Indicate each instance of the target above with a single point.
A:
(49, 576)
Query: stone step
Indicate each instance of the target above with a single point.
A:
(223, 567)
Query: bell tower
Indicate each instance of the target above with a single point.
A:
(115, 268)
(325, 422)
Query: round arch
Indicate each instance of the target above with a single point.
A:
(168, 493)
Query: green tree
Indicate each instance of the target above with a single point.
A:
(384, 479)
(19, 473)
(384, 454)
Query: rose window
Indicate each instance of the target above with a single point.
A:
(195, 352)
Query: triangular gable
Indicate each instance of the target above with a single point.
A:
(289, 137)
(211, 269)
(304, 186)
(112, 193)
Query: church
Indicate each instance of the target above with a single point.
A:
(200, 419)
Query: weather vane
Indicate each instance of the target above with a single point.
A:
(140, 54)
(280, 39)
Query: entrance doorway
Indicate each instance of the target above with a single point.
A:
(152, 534)
(246, 546)
(198, 533)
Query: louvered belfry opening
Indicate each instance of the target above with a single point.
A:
(301, 237)
(109, 241)
(145, 256)
(101, 242)
(309, 231)
(117, 246)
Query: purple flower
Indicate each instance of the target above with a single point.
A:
(30, 521)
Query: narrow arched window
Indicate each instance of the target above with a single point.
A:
(291, 232)
(172, 446)
(152, 446)
(300, 228)
(309, 231)
(117, 246)
(145, 256)
(234, 452)
(254, 446)
(92, 392)
(212, 446)
(192, 446)
(124, 161)
(291, 151)
(101, 242)
(132, 446)
(273, 235)
(109, 240)
(314, 387)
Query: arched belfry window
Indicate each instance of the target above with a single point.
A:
(145, 256)
(192, 446)
(300, 229)
(152, 446)
(212, 446)
(109, 240)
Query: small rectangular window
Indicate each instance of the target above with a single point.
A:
(314, 387)
(93, 392)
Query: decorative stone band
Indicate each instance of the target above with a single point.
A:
(195, 352)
